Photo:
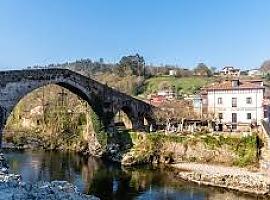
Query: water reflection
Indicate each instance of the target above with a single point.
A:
(110, 181)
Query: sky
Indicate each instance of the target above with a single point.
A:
(182, 32)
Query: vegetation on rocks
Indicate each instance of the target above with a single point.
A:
(157, 147)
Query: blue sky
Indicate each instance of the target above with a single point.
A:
(183, 32)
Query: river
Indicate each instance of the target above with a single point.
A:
(110, 181)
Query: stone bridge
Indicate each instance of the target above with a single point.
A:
(104, 101)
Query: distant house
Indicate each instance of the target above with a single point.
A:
(235, 104)
(157, 100)
(230, 71)
(196, 103)
(167, 94)
(255, 72)
(172, 72)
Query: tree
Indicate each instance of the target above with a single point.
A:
(267, 77)
(134, 63)
(265, 67)
(213, 69)
(202, 70)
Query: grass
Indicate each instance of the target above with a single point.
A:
(186, 85)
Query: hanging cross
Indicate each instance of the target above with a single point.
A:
(63, 94)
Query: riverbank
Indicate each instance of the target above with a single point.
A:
(97, 177)
(230, 153)
(235, 178)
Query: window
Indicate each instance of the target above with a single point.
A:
(248, 100)
(219, 101)
(248, 115)
(234, 127)
(220, 115)
(234, 117)
(234, 102)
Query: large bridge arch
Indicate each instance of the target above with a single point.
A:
(104, 101)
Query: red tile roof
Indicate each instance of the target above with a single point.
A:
(227, 85)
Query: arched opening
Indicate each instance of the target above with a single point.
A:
(122, 121)
(149, 122)
(55, 116)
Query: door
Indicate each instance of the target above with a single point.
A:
(234, 121)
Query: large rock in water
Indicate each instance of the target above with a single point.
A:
(58, 190)
(3, 165)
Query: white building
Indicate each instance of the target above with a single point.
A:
(235, 105)
(168, 94)
(255, 72)
(172, 72)
(230, 71)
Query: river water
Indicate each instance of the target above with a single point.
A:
(111, 181)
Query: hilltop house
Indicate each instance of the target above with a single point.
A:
(255, 72)
(168, 94)
(172, 72)
(230, 71)
(235, 104)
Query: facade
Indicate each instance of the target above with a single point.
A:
(235, 105)
(196, 103)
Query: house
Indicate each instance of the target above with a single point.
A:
(230, 71)
(196, 103)
(172, 72)
(235, 104)
(167, 93)
(255, 72)
(157, 100)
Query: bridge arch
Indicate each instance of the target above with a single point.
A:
(50, 117)
(128, 112)
(104, 101)
(140, 120)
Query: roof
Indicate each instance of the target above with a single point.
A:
(228, 67)
(227, 85)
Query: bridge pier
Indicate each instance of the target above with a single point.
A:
(138, 123)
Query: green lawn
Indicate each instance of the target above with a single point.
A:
(187, 85)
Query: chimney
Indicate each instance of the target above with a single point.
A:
(235, 83)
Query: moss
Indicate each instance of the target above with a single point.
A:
(99, 129)
(246, 150)
(212, 142)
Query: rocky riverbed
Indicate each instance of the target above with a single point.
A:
(12, 187)
(234, 178)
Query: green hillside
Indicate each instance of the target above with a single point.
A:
(185, 85)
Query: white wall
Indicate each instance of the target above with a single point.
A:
(255, 108)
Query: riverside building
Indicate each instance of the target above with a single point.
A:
(235, 105)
